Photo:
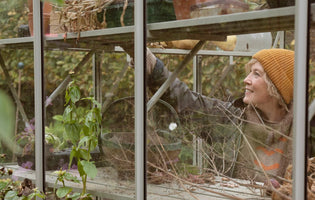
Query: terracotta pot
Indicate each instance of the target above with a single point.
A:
(186, 9)
(46, 16)
(182, 7)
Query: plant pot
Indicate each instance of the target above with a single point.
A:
(186, 9)
(182, 7)
(47, 8)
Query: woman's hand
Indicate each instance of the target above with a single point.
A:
(150, 58)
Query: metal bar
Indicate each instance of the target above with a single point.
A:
(275, 43)
(282, 39)
(300, 121)
(197, 71)
(197, 87)
(68, 79)
(195, 77)
(139, 38)
(173, 76)
(235, 17)
(200, 53)
(97, 64)
(14, 93)
(39, 96)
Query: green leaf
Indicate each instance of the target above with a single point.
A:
(40, 195)
(84, 154)
(58, 118)
(89, 168)
(94, 142)
(72, 155)
(7, 119)
(11, 195)
(85, 130)
(66, 113)
(92, 99)
(67, 97)
(3, 185)
(74, 94)
(63, 191)
(81, 169)
(89, 118)
(73, 132)
(74, 196)
(83, 141)
(31, 196)
(70, 177)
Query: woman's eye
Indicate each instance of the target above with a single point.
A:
(256, 74)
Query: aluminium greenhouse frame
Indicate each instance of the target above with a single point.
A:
(300, 97)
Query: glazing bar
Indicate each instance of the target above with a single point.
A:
(39, 99)
(140, 110)
(300, 98)
(39, 103)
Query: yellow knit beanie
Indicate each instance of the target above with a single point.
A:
(279, 66)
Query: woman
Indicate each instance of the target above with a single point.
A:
(256, 134)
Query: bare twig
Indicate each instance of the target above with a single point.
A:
(123, 13)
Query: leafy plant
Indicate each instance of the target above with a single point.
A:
(11, 189)
(7, 121)
(82, 127)
(62, 176)
(55, 134)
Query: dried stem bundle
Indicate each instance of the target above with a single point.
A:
(81, 15)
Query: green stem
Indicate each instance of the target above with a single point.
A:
(84, 178)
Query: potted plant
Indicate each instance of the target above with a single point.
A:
(82, 127)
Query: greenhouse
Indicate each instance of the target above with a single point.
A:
(157, 99)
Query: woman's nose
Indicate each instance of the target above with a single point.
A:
(247, 80)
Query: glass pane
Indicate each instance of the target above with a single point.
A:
(15, 19)
(17, 117)
(17, 86)
(89, 84)
(230, 135)
(186, 9)
(74, 125)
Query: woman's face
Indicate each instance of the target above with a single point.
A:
(256, 92)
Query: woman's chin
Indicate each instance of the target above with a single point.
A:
(246, 100)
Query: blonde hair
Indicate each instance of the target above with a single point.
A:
(271, 88)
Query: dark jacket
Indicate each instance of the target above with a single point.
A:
(237, 137)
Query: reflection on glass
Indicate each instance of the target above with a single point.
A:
(235, 128)
(80, 120)
(245, 141)
(14, 19)
(187, 9)
(17, 146)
